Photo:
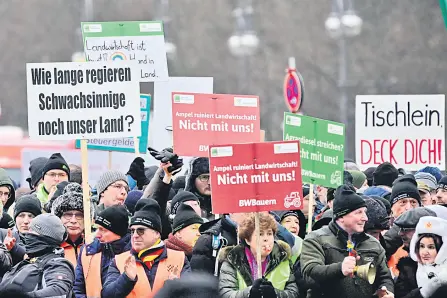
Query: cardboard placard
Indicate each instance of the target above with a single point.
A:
(256, 177)
(201, 120)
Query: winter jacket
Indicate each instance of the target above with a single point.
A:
(18, 251)
(406, 285)
(42, 194)
(235, 277)
(6, 181)
(58, 277)
(108, 250)
(71, 250)
(190, 185)
(321, 261)
(161, 195)
(203, 258)
(118, 285)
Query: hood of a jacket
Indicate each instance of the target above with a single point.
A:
(6, 181)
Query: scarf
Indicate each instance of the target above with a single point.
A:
(149, 255)
(176, 244)
(38, 245)
(254, 265)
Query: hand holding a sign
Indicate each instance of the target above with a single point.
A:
(136, 171)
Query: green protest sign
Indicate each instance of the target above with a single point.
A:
(143, 42)
(322, 148)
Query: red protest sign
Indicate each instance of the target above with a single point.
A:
(201, 120)
(256, 177)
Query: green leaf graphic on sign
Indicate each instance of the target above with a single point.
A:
(214, 152)
(176, 98)
(321, 148)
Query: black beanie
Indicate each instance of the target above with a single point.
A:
(56, 162)
(346, 201)
(179, 183)
(369, 175)
(184, 217)
(385, 174)
(405, 187)
(6, 222)
(384, 201)
(181, 197)
(115, 219)
(442, 183)
(147, 213)
(347, 178)
(28, 203)
(35, 170)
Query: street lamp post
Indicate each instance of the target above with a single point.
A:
(341, 24)
(244, 41)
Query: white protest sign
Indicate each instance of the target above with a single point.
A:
(406, 130)
(143, 42)
(159, 136)
(71, 100)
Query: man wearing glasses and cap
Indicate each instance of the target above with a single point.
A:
(143, 271)
(198, 182)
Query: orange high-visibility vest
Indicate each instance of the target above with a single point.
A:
(70, 254)
(394, 259)
(168, 268)
(91, 265)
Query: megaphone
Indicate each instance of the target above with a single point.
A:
(366, 272)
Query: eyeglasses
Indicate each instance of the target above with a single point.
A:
(405, 230)
(204, 177)
(6, 194)
(54, 175)
(69, 215)
(140, 231)
(119, 187)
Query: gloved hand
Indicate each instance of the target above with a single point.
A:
(255, 291)
(433, 284)
(136, 171)
(167, 155)
(267, 289)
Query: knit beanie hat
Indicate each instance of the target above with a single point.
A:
(358, 178)
(35, 170)
(68, 201)
(115, 219)
(378, 218)
(50, 226)
(28, 203)
(286, 213)
(384, 201)
(426, 182)
(147, 213)
(385, 174)
(132, 198)
(436, 172)
(184, 217)
(56, 162)
(108, 178)
(181, 197)
(179, 183)
(6, 221)
(405, 187)
(442, 183)
(369, 175)
(346, 201)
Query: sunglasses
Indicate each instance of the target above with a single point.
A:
(140, 231)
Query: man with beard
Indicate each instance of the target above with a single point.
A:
(198, 182)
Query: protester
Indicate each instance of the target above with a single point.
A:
(54, 171)
(404, 195)
(369, 175)
(69, 208)
(185, 230)
(324, 261)
(142, 271)
(427, 188)
(112, 238)
(36, 168)
(239, 275)
(295, 222)
(441, 191)
(198, 182)
(425, 271)
(385, 175)
(75, 174)
(7, 191)
(46, 273)
(406, 225)
(112, 189)
(378, 219)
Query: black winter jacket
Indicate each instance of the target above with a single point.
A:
(406, 285)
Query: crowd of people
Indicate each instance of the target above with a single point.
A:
(154, 235)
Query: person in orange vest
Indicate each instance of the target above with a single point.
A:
(112, 238)
(185, 230)
(142, 271)
(69, 208)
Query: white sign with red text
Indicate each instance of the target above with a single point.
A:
(406, 130)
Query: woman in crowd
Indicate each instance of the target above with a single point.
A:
(239, 277)
(424, 273)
